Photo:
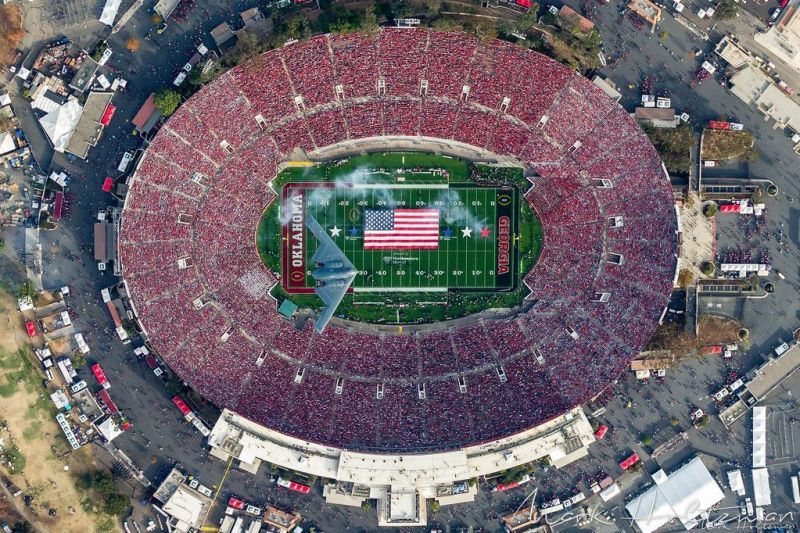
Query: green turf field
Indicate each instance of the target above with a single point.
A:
(476, 236)
(461, 276)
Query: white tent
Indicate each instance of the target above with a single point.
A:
(7, 143)
(5, 100)
(110, 12)
(687, 493)
(60, 124)
(109, 429)
(762, 495)
(735, 481)
(759, 436)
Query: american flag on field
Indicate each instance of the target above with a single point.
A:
(401, 229)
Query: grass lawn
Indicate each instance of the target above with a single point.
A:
(722, 144)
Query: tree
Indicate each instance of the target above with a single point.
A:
(298, 27)
(708, 268)
(435, 506)
(485, 31)
(685, 278)
(433, 7)
(369, 24)
(22, 527)
(528, 20)
(772, 190)
(115, 504)
(710, 210)
(208, 73)
(132, 44)
(446, 24)
(26, 289)
(646, 440)
(167, 101)
(726, 9)
(78, 360)
(2, 245)
(247, 45)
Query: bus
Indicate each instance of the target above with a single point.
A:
(291, 485)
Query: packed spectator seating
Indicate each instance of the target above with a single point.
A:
(311, 71)
(402, 64)
(355, 59)
(449, 59)
(215, 323)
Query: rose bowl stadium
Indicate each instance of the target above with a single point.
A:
(503, 240)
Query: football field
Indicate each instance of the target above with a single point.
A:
(471, 245)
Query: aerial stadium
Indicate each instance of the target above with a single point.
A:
(473, 240)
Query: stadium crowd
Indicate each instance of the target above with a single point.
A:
(200, 289)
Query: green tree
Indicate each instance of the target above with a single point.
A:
(247, 45)
(22, 527)
(199, 77)
(433, 7)
(298, 27)
(446, 24)
(726, 9)
(369, 23)
(528, 20)
(115, 504)
(167, 101)
(435, 506)
(685, 278)
(2, 245)
(78, 360)
(710, 210)
(26, 288)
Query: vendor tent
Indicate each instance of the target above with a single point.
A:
(687, 493)
(60, 123)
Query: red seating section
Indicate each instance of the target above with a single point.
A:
(254, 110)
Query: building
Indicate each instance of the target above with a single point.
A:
(164, 8)
(685, 495)
(400, 482)
(754, 87)
(281, 520)
(658, 117)
(147, 116)
(568, 18)
(186, 507)
(648, 10)
(251, 16)
(732, 53)
(222, 34)
(84, 76)
(104, 242)
(96, 115)
(783, 39)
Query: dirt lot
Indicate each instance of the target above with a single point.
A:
(10, 32)
(28, 424)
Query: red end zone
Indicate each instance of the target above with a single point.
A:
(294, 235)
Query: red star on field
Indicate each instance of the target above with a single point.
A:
(485, 232)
